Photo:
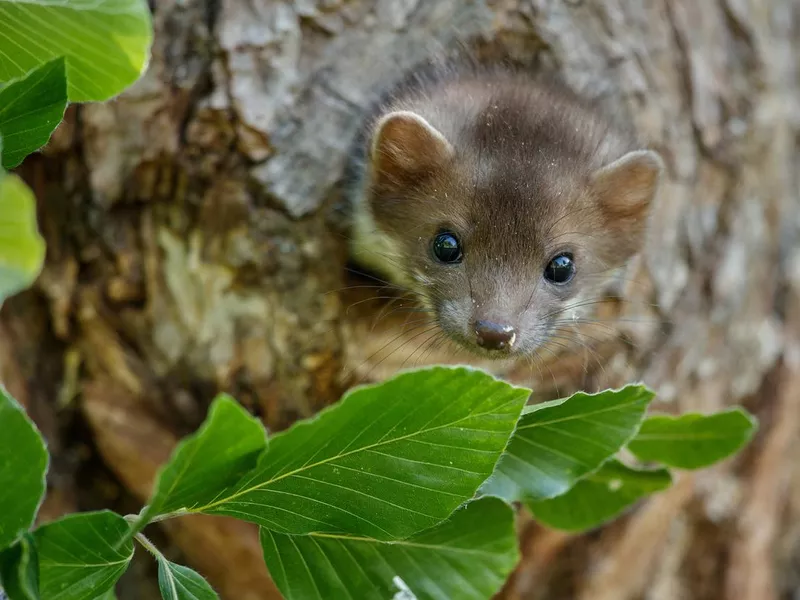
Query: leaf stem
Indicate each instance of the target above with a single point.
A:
(149, 546)
(158, 518)
(164, 566)
(170, 515)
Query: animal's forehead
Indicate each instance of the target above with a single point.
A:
(513, 199)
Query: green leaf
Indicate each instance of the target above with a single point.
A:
(693, 441)
(223, 449)
(21, 245)
(19, 570)
(599, 497)
(557, 443)
(30, 109)
(106, 42)
(177, 582)
(385, 462)
(82, 556)
(468, 557)
(23, 466)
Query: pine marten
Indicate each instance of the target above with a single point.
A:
(499, 199)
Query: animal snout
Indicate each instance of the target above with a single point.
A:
(494, 336)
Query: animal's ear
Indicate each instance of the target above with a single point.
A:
(624, 190)
(405, 147)
(626, 187)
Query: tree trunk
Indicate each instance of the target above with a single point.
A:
(194, 246)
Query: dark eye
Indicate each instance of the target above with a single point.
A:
(560, 270)
(447, 248)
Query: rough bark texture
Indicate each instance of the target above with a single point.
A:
(192, 248)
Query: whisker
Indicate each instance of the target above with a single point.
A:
(413, 305)
(606, 325)
(422, 345)
(376, 365)
(437, 343)
(584, 303)
(379, 317)
(381, 349)
(585, 347)
(547, 366)
(371, 276)
(612, 320)
(371, 298)
(364, 287)
(571, 350)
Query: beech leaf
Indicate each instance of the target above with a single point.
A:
(177, 582)
(23, 466)
(599, 497)
(386, 461)
(467, 557)
(31, 107)
(225, 447)
(693, 441)
(21, 245)
(106, 42)
(558, 443)
(19, 570)
(82, 556)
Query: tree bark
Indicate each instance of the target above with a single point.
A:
(194, 246)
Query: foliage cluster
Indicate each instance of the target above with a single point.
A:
(406, 487)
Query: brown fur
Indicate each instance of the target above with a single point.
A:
(521, 171)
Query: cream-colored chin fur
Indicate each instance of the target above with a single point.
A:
(374, 249)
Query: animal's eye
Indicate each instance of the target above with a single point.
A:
(447, 248)
(560, 270)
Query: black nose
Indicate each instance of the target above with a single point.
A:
(494, 336)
